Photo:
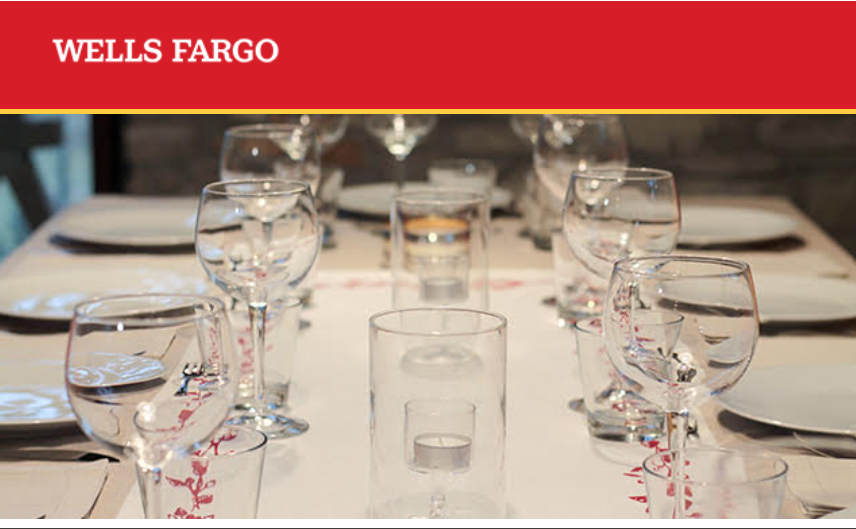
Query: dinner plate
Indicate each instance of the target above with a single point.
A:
(784, 298)
(815, 398)
(52, 296)
(33, 398)
(133, 222)
(374, 199)
(710, 225)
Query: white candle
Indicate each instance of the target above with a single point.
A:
(442, 452)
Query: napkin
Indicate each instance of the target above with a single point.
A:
(822, 480)
(66, 490)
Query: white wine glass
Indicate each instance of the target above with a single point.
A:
(328, 129)
(680, 329)
(620, 212)
(271, 150)
(399, 134)
(258, 240)
(152, 377)
(566, 143)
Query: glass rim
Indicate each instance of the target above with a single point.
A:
(624, 173)
(588, 319)
(219, 188)
(445, 196)
(500, 322)
(265, 130)
(781, 465)
(218, 308)
(260, 443)
(737, 267)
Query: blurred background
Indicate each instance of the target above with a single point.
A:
(50, 161)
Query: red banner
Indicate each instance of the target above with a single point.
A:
(420, 55)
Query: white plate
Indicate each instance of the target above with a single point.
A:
(374, 199)
(52, 296)
(33, 398)
(813, 398)
(707, 225)
(133, 222)
(789, 298)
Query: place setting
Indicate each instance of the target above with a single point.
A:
(675, 376)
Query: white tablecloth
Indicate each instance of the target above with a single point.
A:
(553, 471)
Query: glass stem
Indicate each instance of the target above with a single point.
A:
(150, 479)
(678, 427)
(401, 174)
(258, 314)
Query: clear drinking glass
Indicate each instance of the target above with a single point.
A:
(327, 128)
(221, 480)
(564, 144)
(399, 134)
(579, 292)
(152, 377)
(615, 213)
(281, 331)
(438, 414)
(705, 353)
(717, 484)
(576, 142)
(270, 150)
(258, 241)
(463, 173)
(439, 249)
(614, 411)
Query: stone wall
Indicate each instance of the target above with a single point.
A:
(810, 159)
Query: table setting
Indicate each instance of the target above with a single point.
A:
(287, 338)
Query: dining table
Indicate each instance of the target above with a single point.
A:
(553, 468)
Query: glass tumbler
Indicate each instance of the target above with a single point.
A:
(437, 379)
(439, 249)
(718, 484)
(282, 328)
(579, 292)
(221, 480)
(614, 411)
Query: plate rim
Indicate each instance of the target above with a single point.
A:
(714, 240)
(722, 401)
(60, 228)
(804, 319)
(67, 318)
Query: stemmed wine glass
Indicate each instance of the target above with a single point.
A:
(680, 329)
(575, 142)
(327, 128)
(612, 213)
(271, 150)
(256, 239)
(152, 377)
(400, 133)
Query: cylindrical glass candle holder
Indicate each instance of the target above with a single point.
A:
(439, 249)
(438, 414)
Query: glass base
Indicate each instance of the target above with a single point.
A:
(612, 427)
(272, 425)
(459, 505)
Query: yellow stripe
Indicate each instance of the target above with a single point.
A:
(429, 111)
